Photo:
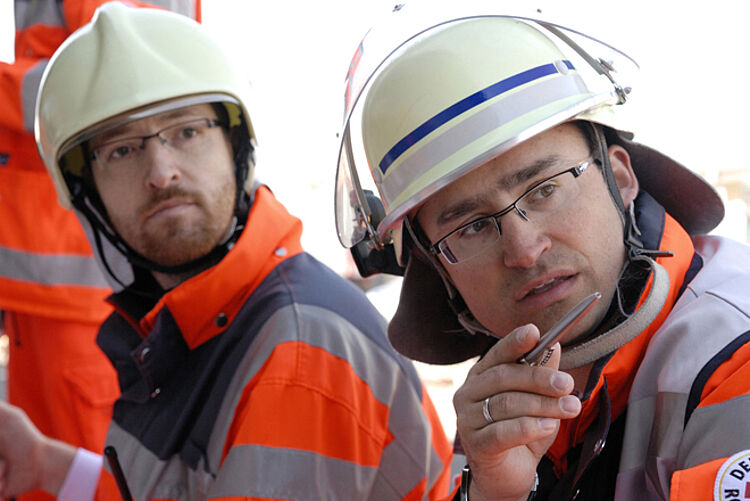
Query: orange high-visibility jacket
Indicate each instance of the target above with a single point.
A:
(268, 377)
(46, 264)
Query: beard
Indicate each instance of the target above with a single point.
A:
(173, 240)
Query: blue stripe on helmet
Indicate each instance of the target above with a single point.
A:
(464, 105)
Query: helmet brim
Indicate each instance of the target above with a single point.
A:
(687, 197)
(425, 328)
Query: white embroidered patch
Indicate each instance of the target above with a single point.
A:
(733, 480)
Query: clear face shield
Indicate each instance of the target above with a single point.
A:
(424, 137)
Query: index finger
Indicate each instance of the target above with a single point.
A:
(510, 348)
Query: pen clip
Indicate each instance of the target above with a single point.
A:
(562, 327)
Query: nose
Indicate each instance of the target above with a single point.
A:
(161, 165)
(522, 242)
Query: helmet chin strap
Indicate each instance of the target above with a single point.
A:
(603, 344)
(87, 201)
(600, 345)
(606, 343)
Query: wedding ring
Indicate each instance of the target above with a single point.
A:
(486, 411)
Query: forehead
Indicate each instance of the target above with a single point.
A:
(508, 173)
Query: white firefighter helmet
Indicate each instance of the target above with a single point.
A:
(126, 64)
(438, 91)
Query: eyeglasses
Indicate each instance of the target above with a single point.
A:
(185, 137)
(543, 199)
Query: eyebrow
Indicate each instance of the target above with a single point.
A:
(504, 183)
(521, 176)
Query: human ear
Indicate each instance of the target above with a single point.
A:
(623, 173)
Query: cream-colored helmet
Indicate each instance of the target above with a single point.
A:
(127, 64)
(463, 84)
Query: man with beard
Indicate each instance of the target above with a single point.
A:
(247, 368)
(511, 192)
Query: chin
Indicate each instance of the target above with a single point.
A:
(180, 258)
(176, 254)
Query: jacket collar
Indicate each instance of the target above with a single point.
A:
(204, 305)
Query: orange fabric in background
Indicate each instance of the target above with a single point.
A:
(72, 397)
(56, 372)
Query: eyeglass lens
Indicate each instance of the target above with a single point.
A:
(542, 200)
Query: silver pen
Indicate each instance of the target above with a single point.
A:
(567, 322)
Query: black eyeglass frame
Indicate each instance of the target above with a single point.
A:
(441, 247)
(212, 122)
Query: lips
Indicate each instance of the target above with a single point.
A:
(545, 287)
(165, 206)
(542, 285)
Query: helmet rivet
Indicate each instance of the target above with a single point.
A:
(561, 67)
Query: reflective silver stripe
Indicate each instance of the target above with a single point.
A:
(283, 326)
(713, 432)
(404, 459)
(49, 12)
(475, 126)
(29, 12)
(709, 315)
(268, 472)
(185, 7)
(633, 484)
(409, 451)
(50, 269)
(252, 470)
(149, 477)
(663, 439)
(29, 88)
(650, 440)
(716, 431)
(400, 470)
(657, 402)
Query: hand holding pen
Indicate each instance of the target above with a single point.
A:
(510, 407)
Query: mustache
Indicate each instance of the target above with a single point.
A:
(162, 196)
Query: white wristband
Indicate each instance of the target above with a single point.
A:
(82, 477)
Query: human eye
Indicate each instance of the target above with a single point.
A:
(191, 130)
(476, 228)
(118, 151)
(544, 192)
(188, 131)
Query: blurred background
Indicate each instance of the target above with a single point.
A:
(692, 100)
